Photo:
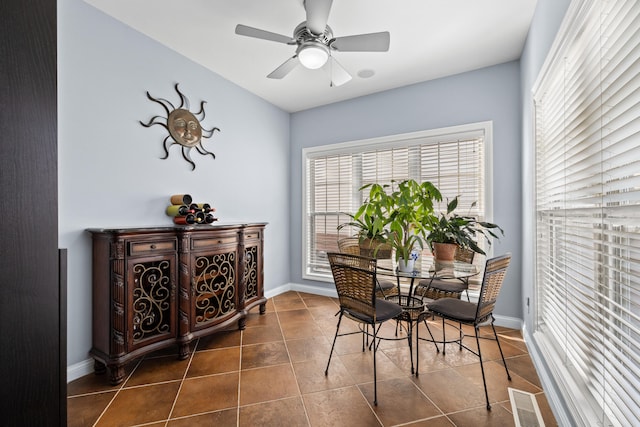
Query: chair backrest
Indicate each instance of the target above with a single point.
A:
(494, 272)
(355, 280)
(464, 255)
(349, 245)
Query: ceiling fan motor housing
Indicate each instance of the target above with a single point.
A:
(302, 35)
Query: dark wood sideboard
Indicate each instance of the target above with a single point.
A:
(157, 287)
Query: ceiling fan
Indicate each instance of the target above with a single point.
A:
(315, 42)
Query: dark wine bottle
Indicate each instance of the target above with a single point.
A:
(183, 220)
(204, 207)
(200, 216)
(209, 218)
(178, 210)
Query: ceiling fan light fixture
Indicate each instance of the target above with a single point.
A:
(313, 55)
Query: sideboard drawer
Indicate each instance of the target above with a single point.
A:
(252, 235)
(214, 241)
(140, 248)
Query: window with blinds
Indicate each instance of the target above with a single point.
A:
(587, 105)
(453, 160)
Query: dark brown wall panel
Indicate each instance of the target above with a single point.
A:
(32, 328)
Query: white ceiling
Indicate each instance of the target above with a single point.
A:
(429, 39)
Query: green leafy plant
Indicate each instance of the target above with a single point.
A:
(410, 215)
(369, 220)
(370, 223)
(463, 230)
(399, 214)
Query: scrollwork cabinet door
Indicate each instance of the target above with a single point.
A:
(253, 269)
(251, 272)
(151, 305)
(214, 286)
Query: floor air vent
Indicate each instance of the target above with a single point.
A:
(526, 412)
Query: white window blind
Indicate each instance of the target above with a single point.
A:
(588, 211)
(454, 162)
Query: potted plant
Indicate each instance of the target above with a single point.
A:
(410, 215)
(401, 218)
(370, 223)
(448, 231)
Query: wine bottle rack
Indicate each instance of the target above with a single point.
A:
(185, 212)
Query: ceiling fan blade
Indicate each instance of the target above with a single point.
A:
(284, 69)
(317, 15)
(339, 75)
(244, 30)
(372, 42)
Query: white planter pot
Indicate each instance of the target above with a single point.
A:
(406, 266)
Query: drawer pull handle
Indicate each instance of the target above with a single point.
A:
(153, 246)
(220, 241)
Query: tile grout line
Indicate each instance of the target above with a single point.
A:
(286, 346)
(239, 377)
(117, 392)
(184, 376)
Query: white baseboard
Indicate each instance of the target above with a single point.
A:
(316, 290)
(309, 289)
(79, 369)
(270, 293)
(508, 322)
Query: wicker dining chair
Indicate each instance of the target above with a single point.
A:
(351, 245)
(474, 314)
(447, 288)
(355, 280)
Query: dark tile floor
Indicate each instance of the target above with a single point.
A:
(272, 374)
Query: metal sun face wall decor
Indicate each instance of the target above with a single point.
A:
(184, 127)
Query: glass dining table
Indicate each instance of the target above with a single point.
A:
(413, 306)
(424, 271)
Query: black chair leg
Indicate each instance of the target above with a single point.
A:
(371, 344)
(326, 371)
(431, 335)
(500, 348)
(433, 340)
(444, 338)
(418, 346)
(363, 337)
(410, 339)
(375, 379)
(484, 380)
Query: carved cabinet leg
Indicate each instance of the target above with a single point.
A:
(117, 374)
(183, 351)
(242, 323)
(99, 368)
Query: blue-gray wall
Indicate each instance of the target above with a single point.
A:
(110, 171)
(488, 94)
